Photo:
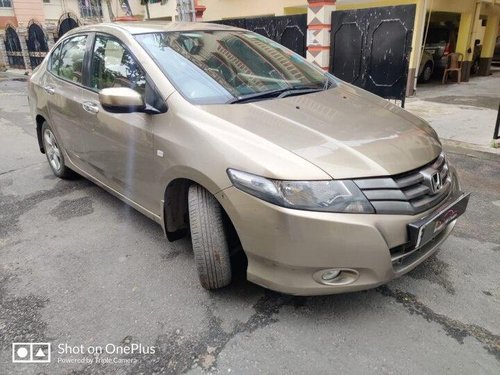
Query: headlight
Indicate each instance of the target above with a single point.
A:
(328, 196)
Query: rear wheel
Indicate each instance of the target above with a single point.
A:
(54, 153)
(210, 245)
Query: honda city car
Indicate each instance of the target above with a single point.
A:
(225, 136)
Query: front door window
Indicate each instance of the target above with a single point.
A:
(114, 66)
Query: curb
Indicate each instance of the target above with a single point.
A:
(15, 73)
(470, 149)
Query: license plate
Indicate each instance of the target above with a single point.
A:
(425, 229)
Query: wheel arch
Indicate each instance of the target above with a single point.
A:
(175, 208)
(175, 214)
(40, 119)
(428, 61)
(431, 62)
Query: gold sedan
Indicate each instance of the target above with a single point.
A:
(226, 135)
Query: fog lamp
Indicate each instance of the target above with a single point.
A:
(330, 275)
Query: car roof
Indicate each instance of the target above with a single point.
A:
(141, 27)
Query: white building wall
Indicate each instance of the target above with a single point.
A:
(52, 10)
(6, 12)
(56, 8)
(157, 10)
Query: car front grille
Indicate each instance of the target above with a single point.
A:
(404, 256)
(409, 193)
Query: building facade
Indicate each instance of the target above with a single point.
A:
(18, 13)
(476, 22)
(28, 28)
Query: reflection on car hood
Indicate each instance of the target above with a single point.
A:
(345, 131)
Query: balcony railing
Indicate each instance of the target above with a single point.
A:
(90, 9)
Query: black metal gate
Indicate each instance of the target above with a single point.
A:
(370, 48)
(37, 44)
(66, 22)
(13, 48)
(290, 31)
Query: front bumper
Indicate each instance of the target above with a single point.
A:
(286, 247)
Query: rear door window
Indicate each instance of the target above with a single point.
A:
(67, 59)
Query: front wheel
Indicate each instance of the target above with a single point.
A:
(210, 245)
(426, 74)
(54, 153)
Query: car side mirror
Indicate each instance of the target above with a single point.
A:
(121, 100)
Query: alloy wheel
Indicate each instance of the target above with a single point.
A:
(52, 149)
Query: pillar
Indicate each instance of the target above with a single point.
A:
(199, 10)
(489, 41)
(465, 44)
(23, 34)
(4, 62)
(50, 35)
(416, 47)
(319, 15)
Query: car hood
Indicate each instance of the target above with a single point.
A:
(345, 131)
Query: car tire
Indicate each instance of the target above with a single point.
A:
(54, 154)
(426, 74)
(475, 67)
(210, 245)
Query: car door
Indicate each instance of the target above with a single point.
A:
(63, 85)
(119, 150)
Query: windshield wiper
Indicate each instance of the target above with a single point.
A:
(297, 91)
(256, 95)
(279, 93)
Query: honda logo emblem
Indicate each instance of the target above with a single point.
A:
(432, 180)
(436, 182)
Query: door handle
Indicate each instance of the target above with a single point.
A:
(90, 107)
(49, 89)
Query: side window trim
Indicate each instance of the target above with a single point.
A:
(87, 61)
(52, 53)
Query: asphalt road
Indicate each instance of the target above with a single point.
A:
(79, 268)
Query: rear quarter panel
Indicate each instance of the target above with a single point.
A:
(37, 97)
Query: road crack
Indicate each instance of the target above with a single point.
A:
(452, 327)
(179, 353)
(19, 169)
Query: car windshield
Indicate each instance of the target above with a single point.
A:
(226, 66)
(438, 35)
